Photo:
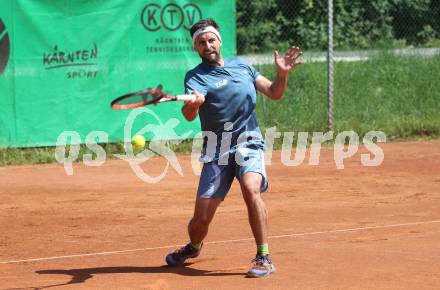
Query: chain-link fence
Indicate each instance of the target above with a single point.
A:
(377, 87)
(358, 24)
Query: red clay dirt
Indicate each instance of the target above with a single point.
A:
(104, 228)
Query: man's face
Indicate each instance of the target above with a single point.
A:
(208, 47)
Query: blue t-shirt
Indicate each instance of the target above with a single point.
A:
(229, 107)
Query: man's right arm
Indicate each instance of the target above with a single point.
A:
(190, 109)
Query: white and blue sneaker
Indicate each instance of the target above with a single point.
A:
(261, 267)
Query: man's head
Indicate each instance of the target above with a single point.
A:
(207, 41)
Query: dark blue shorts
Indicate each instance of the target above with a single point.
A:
(216, 177)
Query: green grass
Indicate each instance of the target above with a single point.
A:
(41, 155)
(397, 95)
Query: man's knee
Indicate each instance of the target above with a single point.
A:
(250, 184)
(251, 193)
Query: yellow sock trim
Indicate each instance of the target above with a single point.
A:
(263, 249)
(196, 246)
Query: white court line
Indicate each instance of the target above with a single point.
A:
(225, 241)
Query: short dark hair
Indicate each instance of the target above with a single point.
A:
(203, 23)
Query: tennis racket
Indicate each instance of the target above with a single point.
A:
(147, 97)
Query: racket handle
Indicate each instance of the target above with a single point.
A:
(185, 97)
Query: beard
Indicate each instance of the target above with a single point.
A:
(213, 59)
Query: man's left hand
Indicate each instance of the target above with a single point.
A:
(289, 61)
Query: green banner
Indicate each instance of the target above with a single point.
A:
(62, 62)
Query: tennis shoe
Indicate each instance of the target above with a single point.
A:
(179, 256)
(261, 267)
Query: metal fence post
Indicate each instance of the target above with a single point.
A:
(330, 66)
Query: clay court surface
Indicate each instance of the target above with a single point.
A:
(104, 228)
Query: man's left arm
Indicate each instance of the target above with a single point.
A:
(284, 65)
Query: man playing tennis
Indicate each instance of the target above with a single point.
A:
(233, 144)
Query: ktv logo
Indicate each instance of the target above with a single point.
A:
(4, 47)
(170, 17)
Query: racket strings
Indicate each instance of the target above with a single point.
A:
(139, 99)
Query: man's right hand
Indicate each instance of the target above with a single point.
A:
(191, 108)
(197, 102)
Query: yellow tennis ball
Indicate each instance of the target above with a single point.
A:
(138, 141)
